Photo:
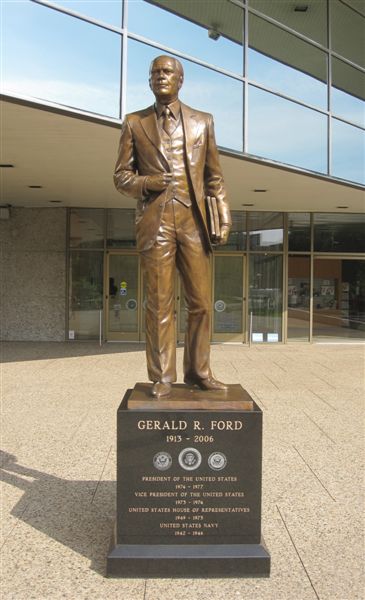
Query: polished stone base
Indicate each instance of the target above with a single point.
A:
(188, 485)
(188, 561)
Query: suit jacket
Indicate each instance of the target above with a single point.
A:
(141, 153)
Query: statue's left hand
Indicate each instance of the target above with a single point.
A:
(225, 229)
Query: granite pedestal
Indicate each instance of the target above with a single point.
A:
(188, 485)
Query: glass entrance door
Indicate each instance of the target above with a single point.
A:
(123, 297)
(228, 301)
(228, 308)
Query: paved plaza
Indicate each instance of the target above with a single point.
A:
(58, 464)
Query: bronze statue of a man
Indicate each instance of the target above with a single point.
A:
(169, 162)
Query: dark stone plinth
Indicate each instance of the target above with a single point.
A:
(218, 560)
(188, 485)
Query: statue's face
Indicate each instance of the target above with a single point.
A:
(165, 79)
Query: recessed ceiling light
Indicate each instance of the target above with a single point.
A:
(248, 204)
(341, 206)
(55, 201)
(6, 166)
(35, 187)
(260, 190)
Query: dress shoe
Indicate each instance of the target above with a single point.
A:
(161, 388)
(209, 383)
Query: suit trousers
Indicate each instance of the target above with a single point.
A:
(180, 244)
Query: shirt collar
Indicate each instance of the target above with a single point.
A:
(174, 108)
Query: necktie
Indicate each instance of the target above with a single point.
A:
(168, 124)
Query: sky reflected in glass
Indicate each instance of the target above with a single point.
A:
(348, 92)
(286, 132)
(108, 11)
(51, 56)
(171, 30)
(283, 62)
(348, 152)
(203, 89)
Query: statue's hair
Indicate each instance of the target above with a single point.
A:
(178, 64)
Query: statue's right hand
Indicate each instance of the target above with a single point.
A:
(159, 182)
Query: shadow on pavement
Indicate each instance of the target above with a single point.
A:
(24, 351)
(77, 514)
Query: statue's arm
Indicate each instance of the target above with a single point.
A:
(213, 177)
(126, 178)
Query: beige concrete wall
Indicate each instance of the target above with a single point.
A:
(33, 274)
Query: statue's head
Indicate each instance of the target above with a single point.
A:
(166, 78)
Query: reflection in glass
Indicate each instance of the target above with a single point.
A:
(86, 228)
(348, 152)
(298, 297)
(187, 29)
(286, 132)
(107, 11)
(121, 228)
(82, 73)
(312, 25)
(237, 236)
(123, 294)
(285, 63)
(85, 294)
(299, 232)
(348, 90)
(265, 297)
(228, 300)
(347, 32)
(338, 232)
(203, 89)
(266, 230)
(339, 299)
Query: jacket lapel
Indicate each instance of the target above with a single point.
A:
(149, 124)
(191, 129)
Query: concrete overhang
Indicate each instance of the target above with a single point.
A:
(72, 156)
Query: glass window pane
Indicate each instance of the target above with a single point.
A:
(338, 232)
(285, 63)
(121, 228)
(228, 300)
(348, 32)
(86, 228)
(266, 231)
(52, 56)
(310, 21)
(299, 232)
(265, 297)
(298, 297)
(192, 27)
(286, 132)
(237, 236)
(107, 11)
(85, 294)
(348, 152)
(339, 299)
(348, 92)
(203, 89)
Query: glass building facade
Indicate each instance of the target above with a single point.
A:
(281, 277)
(285, 82)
